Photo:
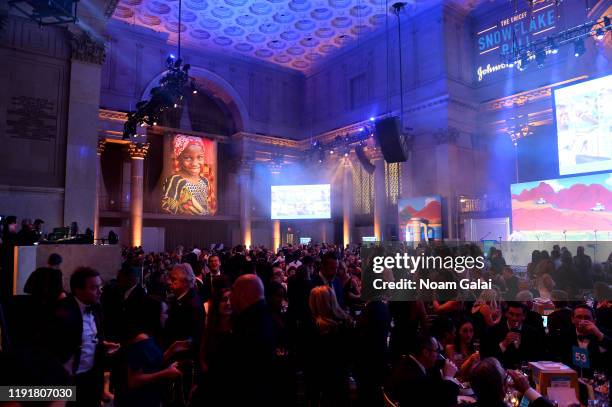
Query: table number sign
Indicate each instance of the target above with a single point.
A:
(580, 357)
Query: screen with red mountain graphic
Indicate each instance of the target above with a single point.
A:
(420, 218)
(576, 208)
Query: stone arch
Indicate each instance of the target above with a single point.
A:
(218, 88)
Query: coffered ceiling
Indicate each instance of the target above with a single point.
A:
(292, 33)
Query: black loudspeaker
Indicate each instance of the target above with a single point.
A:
(363, 159)
(391, 140)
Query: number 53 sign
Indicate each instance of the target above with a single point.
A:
(580, 357)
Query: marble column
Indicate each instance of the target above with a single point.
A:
(138, 152)
(82, 130)
(244, 177)
(276, 234)
(380, 196)
(324, 237)
(347, 201)
(101, 147)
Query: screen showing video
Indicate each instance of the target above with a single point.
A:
(584, 126)
(576, 208)
(301, 201)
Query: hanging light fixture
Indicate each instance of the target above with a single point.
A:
(172, 88)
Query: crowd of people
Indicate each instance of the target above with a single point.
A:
(256, 327)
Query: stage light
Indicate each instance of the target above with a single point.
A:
(600, 34)
(175, 105)
(172, 56)
(331, 151)
(154, 123)
(372, 119)
(360, 129)
(540, 57)
(579, 47)
(195, 92)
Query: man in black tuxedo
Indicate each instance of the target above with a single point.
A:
(585, 335)
(532, 318)
(512, 341)
(118, 298)
(76, 336)
(214, 270)
(327, 276)
(253, 358)
(186, 313)
(418, 380)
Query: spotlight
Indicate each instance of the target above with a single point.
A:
(579, 47)
(540, 57)
(360, 129)
(172, 56)
(372, 119)
(195, 92)
(154, 123)
(331, 151)
(175, 105)
(600, 34)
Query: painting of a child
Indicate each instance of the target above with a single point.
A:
(190, 188)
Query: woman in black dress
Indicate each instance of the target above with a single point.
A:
(140, 377)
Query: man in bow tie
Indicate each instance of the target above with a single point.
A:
(585, 335)
(77, 338)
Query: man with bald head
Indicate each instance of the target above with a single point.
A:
(255, 343)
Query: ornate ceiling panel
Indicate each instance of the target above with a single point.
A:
(292, 33)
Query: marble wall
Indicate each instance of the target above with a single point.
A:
(33, 119)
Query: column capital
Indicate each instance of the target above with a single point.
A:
(138, 151)
(101, 146)
(84, 48)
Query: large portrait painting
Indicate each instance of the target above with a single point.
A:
(190, 186)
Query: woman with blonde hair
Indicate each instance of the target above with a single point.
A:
(486, 312)
(327, 363)
(325, 309)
